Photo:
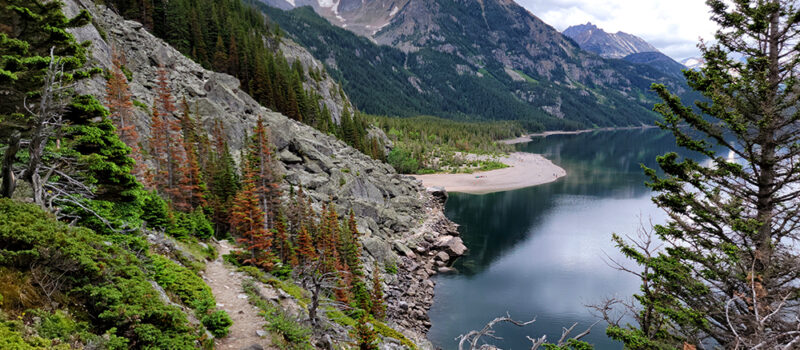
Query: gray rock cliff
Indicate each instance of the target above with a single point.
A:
(401, 222)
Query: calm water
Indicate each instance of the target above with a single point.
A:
(539, 252)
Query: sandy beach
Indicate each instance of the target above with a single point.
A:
(525, 170)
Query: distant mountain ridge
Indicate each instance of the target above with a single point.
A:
(462, 59)
(609, 45)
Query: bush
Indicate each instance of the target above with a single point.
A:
(105, 280)
(156, 212)
(184, 283)
(218, 323)
(194, 224)
(60, 325)
(403, 161)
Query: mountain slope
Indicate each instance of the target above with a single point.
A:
(490, 59)
(609, 45)
(393, 212)
(658, 61)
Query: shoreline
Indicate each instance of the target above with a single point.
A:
(524, 170)
(527, 138)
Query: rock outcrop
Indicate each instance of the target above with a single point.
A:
(609, 45)
(401, 223)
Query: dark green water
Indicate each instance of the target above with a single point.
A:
(538, 252)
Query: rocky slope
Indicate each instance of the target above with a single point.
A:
(364, 17)
(401, 222)
(488, 58)
(609, 45)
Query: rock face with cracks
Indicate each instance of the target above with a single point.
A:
(401, 223)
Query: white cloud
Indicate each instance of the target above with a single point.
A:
(672, 26)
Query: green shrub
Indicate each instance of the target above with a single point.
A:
(142, 106)
(289, 331)
(184, 283)
(156, 212)
(339, 317)
(60, 325)
(403, 161)
(390, 267)
(218, 323)
(106, 280)
(388, 332)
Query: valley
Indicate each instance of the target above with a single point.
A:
(397, 174)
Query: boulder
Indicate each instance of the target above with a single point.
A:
(454, 246)
(439, 193)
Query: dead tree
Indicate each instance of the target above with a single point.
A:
(470, 340)
(318, 283)
(46, 124)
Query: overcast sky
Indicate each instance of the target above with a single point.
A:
(672, 26)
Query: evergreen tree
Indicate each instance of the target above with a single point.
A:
(365, 335)
(223, 181)
(378, 306)
(167, 146)
(193, 184)
(120, 106)
(727, 275)
(220, 56)
(33, 41)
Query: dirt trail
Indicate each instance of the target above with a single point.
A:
(226, 284)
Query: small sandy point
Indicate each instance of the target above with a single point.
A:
(525, 170)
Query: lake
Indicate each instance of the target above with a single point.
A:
(539, 251)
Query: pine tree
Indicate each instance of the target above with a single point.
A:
(378, 306)
(283, 245)
(305, 247)
(220, 56)
(247, 220)
(32, 31)
(120, 106)
(166, 145)
(192, 185)
(365, 335)
(223, 181)
(727, 274)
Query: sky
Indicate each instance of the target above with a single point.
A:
(672, 26)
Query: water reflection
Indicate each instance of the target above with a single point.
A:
(538, 251)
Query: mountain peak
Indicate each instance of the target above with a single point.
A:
(609, 45)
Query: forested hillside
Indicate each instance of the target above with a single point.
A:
(233, 37)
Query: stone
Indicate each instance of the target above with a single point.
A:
(403, 249)
(261, 333)
(452, 245)
(443, 256)
(288, 157)
(445, 269)
(253, 347)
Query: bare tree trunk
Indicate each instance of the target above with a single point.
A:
(9, 180)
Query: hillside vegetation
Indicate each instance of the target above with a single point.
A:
(428, 144)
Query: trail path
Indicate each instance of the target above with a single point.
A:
(226, 284)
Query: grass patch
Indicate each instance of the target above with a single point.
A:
(287, 332)
(287, 286)
(526, 77)
(339, 317)
(388, 332)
